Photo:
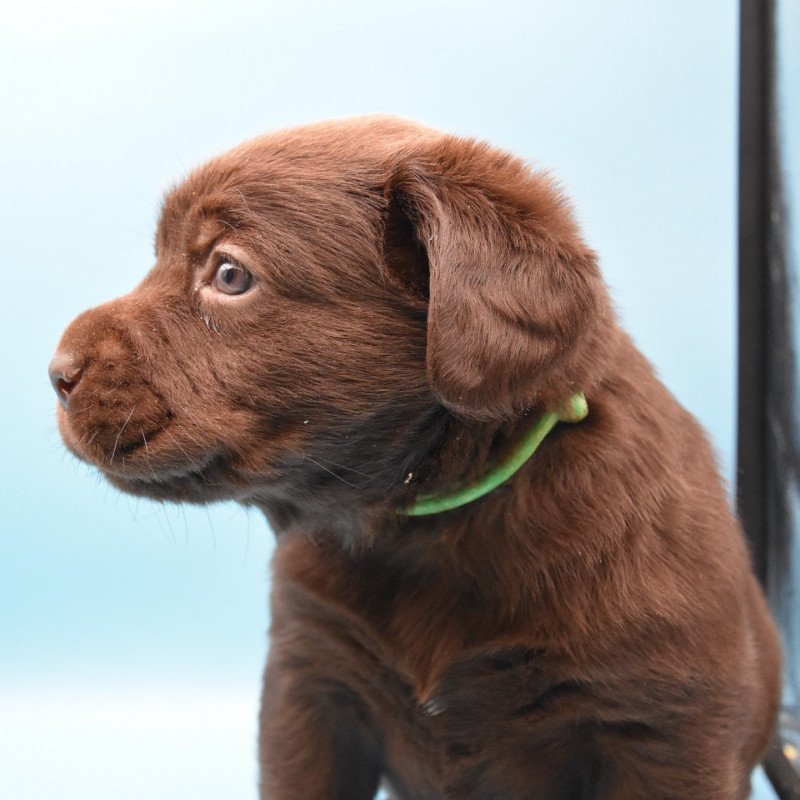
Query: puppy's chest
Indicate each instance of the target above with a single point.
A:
(441, 639)
(458, 708)
(482, 727)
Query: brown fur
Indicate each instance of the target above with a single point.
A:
(590, 629)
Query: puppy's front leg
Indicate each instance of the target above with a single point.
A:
(316, 742)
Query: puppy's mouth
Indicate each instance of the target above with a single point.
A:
(160, 461)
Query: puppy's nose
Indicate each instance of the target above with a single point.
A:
(65, 374)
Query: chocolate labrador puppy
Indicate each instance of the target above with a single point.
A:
(506, 567)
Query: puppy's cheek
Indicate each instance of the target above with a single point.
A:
(192, 458)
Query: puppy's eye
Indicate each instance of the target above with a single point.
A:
(232, 278)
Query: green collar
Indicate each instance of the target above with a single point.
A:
(575, 410)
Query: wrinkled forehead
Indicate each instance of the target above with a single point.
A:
(224, 189)
(246, 192)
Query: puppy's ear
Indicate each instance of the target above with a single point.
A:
(515, 301)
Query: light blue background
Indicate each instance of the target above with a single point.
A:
(132, 635)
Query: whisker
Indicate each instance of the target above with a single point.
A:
(185, 531)
(211, 528)
(187, 433)
(147, 456)
(349, 469)
(247, 539)
(169, 525)
(116, 441)
(331, 472)
(239, 192)
(190, 459)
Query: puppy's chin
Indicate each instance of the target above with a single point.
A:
(207, 484)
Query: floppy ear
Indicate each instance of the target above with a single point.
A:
(515, 301)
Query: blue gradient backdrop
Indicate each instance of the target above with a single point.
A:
(132, 635)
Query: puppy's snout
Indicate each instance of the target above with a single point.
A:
(65, 374)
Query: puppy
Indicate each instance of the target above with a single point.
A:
(363, 328)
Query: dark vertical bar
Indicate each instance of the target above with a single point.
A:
(767, 459)
(781, 774)
(755, 93)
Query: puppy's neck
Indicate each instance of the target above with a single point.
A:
(356, 485)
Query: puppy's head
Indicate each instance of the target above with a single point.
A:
(324, 301)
